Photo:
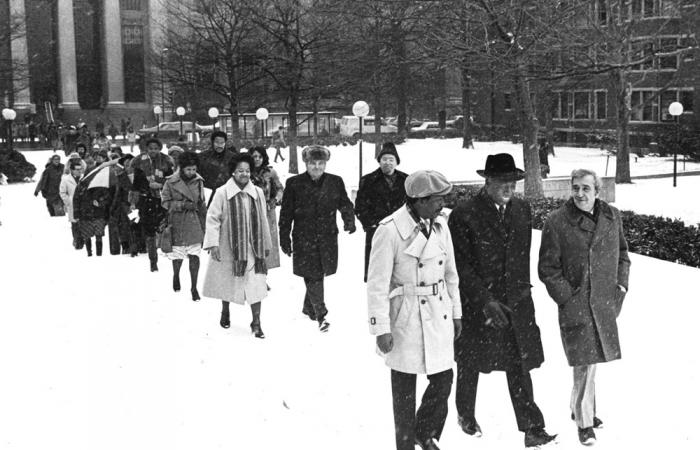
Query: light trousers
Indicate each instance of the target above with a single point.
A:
(583, 395)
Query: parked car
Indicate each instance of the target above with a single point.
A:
(350, 126)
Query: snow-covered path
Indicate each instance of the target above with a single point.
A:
(99, 353)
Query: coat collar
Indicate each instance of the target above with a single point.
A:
(407, 226)
(181, 186)
(491, 213)
(420, 246)
(576, 218)
(232, 189)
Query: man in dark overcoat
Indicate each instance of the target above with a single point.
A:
(380, 194)
(310, 203)
(492, 233)
(213, 163)
(585, 266)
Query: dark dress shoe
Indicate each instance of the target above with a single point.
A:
(586, 436)
(225, 320)
(176, 284)
(427, 444)
(470, 426)
(257, 330)
(597, 423)
(536, 437)
(154, 267)
(195, 295)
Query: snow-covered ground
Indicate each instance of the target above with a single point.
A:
(99, 353)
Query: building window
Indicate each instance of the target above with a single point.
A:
(668, 45)
(645, 106)
(582, 105)
(132, 35)
(686, 99)
(601, 105)
(602, 11)
(564, 105)
(130, 5)
(643, 55)
(507, 101)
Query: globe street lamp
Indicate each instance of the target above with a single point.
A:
(360, 110)
(262, 114)
(213, 114)
(9, 115)
(676, 109)
(180, 111)
(157, 110)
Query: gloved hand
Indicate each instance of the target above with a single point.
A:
(385, 342)
(286, 246)
(495, 313)
(458, 327)
(189, 206)
(350, 228)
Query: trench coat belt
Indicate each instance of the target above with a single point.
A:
(415, 291)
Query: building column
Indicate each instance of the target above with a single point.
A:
(113, 57)
(20, 57)
(66, 55)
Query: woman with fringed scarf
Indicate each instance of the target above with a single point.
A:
(237, 237)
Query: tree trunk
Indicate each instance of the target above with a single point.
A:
(548, 122)
(377, 122)
(622, 169)
(529, 126)
(400, 86)
(467, 141)
(292, 132)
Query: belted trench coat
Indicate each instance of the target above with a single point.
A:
(413, 293)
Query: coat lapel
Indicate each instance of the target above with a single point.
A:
(491, 216)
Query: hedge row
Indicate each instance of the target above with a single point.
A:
(658, 237)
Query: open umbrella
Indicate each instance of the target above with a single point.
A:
(104, 175)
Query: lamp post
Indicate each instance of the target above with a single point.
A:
(157, 110)
(262, 114)
(360, 110)
(180, 111)
(162, 79)
(9, 115)
(676, 109)
(213, 114)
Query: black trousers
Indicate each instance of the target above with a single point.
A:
(527, 414)
(369, 234)
(429, 421)
(314, 304)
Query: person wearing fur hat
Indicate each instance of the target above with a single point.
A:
(214, 162)
(174, 151)
(414, 308)
(308, 229)
(49, 186)
(492, 232)
(380, 194)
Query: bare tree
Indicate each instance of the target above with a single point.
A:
(14, 73)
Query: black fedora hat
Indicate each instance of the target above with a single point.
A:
(501, 166)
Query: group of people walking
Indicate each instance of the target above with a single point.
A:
(440, 290)
(443, 290)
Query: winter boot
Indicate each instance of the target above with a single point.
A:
(537, 437)
(152, 252)
(88, 246)
(470, 426)
(98, 246)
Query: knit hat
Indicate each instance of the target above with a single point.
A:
(175, 149)
(315, 153)
(425, 183)
(388, 148)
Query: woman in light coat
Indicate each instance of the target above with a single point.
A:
(238, 239)
(183, 197)
(67, 190)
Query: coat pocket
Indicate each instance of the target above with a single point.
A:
(573, 311)
(400, 311)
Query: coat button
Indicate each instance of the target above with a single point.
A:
(441, 298)
(422, 283)
(445, 316)
(422, 302)
(420, 265)
(440, 262)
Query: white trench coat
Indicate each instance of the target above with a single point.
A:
(413, 293)
(219, 282)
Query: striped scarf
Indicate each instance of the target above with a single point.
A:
(241, 229)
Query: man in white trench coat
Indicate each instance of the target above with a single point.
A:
(414, 307)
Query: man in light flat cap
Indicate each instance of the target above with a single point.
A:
(414, 307)
(309, 204)
(492, 234)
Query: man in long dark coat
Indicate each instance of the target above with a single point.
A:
(380, 194)
(492, 233)
(585, 266)
(310, 203)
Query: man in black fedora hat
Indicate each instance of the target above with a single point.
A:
(491, 233)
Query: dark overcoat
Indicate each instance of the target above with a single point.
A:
(493, 262)
(50, 182)
(310, 207)
(581, 263)
(377, 200)
(213, 167)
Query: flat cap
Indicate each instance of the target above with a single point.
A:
(425, 183)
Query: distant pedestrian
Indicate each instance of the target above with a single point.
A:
(279, 142)
(69, 182)
(131, 138)
(183, 197)
(380, 194)
(585, 266)
(308, 228)
(91, 209)
(49, 186)
(238, 240)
